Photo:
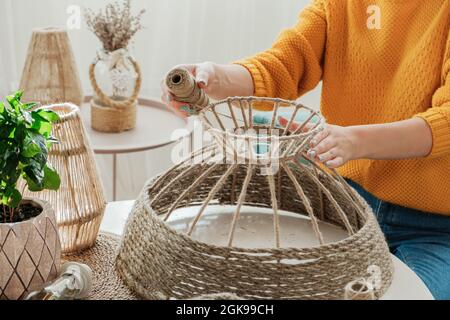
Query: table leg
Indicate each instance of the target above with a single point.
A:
(114, 177)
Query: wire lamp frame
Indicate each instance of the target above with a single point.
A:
(265, 166)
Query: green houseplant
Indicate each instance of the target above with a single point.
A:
(29, 242)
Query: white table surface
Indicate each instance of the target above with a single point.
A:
(406, 284)
(155, 125)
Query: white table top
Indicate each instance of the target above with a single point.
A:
(154, 128)
(406, 284)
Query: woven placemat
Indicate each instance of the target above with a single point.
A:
(107, 284)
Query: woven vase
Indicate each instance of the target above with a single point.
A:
(80, 202)
(50, 74)
(116, 80)
(29, 253)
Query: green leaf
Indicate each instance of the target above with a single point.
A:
(52, 181)
(29, 106)
(15, 197)
(34, 175)
(27, 117)
(48, 115)
(14, 100)
(41, 125)
(31, 147)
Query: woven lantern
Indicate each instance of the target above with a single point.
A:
(80, 202)
(50, 74)
(268, 169)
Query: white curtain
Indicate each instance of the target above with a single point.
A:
(176, 31)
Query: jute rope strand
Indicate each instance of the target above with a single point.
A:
(183, 86)
(306, 202)
(105, 99)
(241, 200)
(359, 290)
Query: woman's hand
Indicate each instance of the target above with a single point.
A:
(218, 81)
(334, 146)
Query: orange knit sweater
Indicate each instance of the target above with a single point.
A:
(371, 76)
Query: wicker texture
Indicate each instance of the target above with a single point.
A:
(158, 262)
(112, 115)
(50, 74)
(80, 202)
(29, 254)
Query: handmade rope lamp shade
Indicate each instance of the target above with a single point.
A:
(80, 202)
(50, 74)
(164, 253)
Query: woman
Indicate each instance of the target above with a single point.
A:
(386, 95)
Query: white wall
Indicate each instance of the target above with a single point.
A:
(177, 31)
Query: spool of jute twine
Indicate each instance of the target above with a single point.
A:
(183, 86)
(114, 115)
(359, 290)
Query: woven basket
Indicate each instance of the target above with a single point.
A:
(157, 261)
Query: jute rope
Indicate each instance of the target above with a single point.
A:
(184, 87)
(157, 261)
(359, 290)
(110, 115)
(105, 99)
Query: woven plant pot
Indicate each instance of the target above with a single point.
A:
(160, 262)
(80, 202)
(29, 253)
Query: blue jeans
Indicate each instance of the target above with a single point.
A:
(421, 240)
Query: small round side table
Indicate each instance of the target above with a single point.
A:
(154, 129)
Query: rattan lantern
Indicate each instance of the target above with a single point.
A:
(50, 74)
(266, 169)
(80, 202)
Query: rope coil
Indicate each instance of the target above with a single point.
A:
(184, 87)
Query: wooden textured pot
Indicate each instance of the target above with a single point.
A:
(30, 253)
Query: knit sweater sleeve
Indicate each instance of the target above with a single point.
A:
(438, 116)
(293, 66)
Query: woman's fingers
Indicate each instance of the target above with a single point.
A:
(322, 148)
(329, 155)
(335, 163)
(320, 137)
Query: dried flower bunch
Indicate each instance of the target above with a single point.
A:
(115, 25)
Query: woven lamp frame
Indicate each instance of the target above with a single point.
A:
(159, 262)
(80, 202)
